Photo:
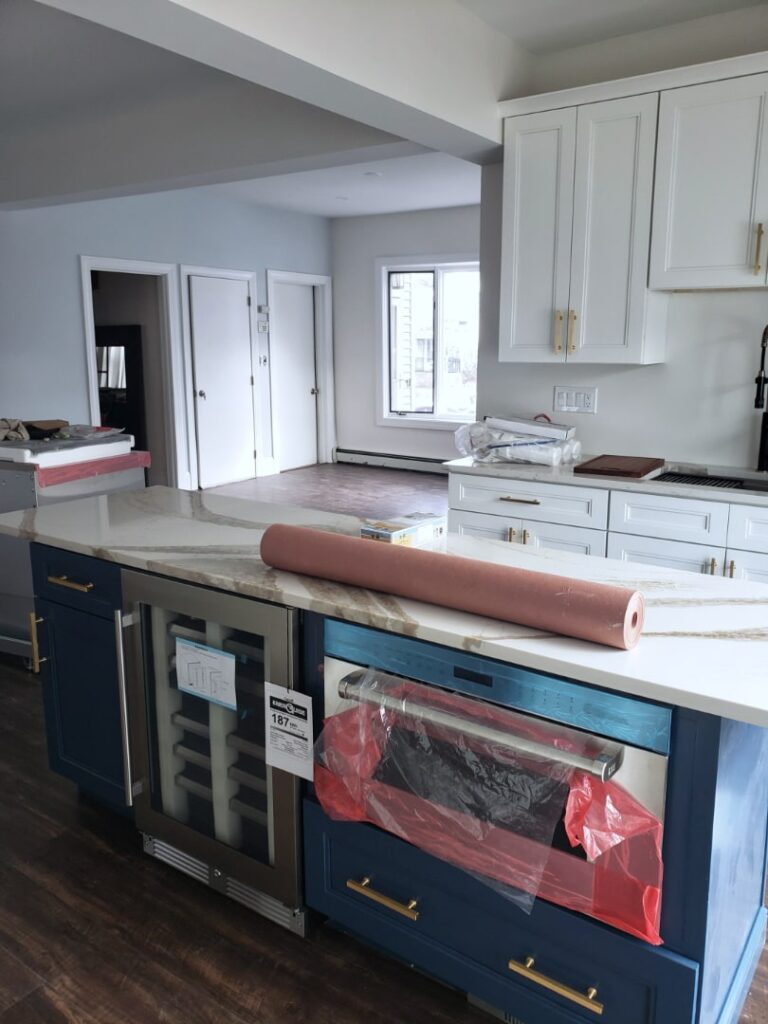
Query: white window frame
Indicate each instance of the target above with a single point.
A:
(410, 420)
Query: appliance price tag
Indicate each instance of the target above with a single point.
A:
(288, 730)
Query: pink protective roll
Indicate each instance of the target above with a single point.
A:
(557, 604)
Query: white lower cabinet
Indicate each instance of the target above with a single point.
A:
(672, 554)
(576, 539)
(746, 565)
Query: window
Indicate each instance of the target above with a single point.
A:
(430, 341)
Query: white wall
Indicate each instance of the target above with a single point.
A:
(42, 346)
(715, 37)
(122, 299)
(697, 406)
(357, 242)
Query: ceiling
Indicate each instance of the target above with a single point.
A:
(545, 26)
(423, 182)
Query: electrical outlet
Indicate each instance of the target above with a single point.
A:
(571, 399)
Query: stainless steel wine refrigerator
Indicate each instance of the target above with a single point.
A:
(204, 797)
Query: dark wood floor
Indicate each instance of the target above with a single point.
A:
(355, 490)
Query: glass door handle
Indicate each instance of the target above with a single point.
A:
(122, 689)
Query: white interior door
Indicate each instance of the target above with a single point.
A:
(221, 354)
(294, 374)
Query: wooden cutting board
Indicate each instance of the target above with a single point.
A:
(633, 467)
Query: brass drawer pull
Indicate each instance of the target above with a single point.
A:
(511, 534)
(712, 566)
(588, 999)
(731, 568)
(571, 325)
(36, 659)
(520, 501)
(526, 536)
(65, 581)
(758, 246)
(363, 887)
(558, 331)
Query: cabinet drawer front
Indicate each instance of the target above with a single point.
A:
(672, 554)
(78, 581)
(540, 502)
(485, 526)
(446, 922)
(746, 565)
(578, 540)
(658, 515)
(748, 528)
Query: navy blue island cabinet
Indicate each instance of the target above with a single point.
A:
(76, 598)
(554, 965)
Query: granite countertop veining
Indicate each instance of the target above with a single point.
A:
(704, 646)
(531, 473)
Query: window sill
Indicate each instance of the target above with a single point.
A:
(421, 422)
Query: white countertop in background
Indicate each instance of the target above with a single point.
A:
(565, 475)
(704, 646)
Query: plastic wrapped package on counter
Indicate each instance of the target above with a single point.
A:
(485, 444)
(472, 784)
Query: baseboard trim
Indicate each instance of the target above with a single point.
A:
(389, 461)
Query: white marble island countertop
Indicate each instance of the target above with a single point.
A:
(704, 646)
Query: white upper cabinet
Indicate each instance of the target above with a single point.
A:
(711, 205)
(537, 219)
(578, 187)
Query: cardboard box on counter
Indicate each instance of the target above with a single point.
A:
(416, 530)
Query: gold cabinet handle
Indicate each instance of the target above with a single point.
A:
(520, 501)
(571, 325)
(65, 581)
(758, 247)
(36, 659)
(363, 887)
(587, 1000)
(731, 569)
(712, 566)
(511, 534)
(558, 331)
(526, 536)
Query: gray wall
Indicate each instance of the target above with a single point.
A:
(695, 406)
(42, 346)
(357, 243)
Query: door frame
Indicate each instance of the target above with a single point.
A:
(172, 357)
(257, 370)
(326, 403)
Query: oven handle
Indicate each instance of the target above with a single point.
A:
(131, 788)
(603, 765)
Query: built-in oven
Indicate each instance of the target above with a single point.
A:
(195, 662)
(540, 786)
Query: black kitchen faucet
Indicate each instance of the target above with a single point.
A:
(760, 381)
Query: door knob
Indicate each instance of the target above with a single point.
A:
(201, 394)
(314, 391)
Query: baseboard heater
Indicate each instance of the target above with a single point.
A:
(414, 462)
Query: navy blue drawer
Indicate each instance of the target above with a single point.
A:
(466, 934)
(77, 581)
(629, 720)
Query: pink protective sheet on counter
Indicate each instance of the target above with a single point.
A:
(620, 880)
(604, 614)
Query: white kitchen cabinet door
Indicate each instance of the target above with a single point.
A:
(711, 199)
(537, 218)
(748, 528)
(544, 502)
(575, 539)
(668, 517)
(486, 527)
(613, 318)
(746, 565)
(671, 554)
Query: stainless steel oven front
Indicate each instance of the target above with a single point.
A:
(204, 797)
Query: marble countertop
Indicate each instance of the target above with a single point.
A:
(650, 485)
(704, 646)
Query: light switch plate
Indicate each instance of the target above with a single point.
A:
(575, 399)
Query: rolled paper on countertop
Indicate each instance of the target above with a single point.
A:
(597, 612)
